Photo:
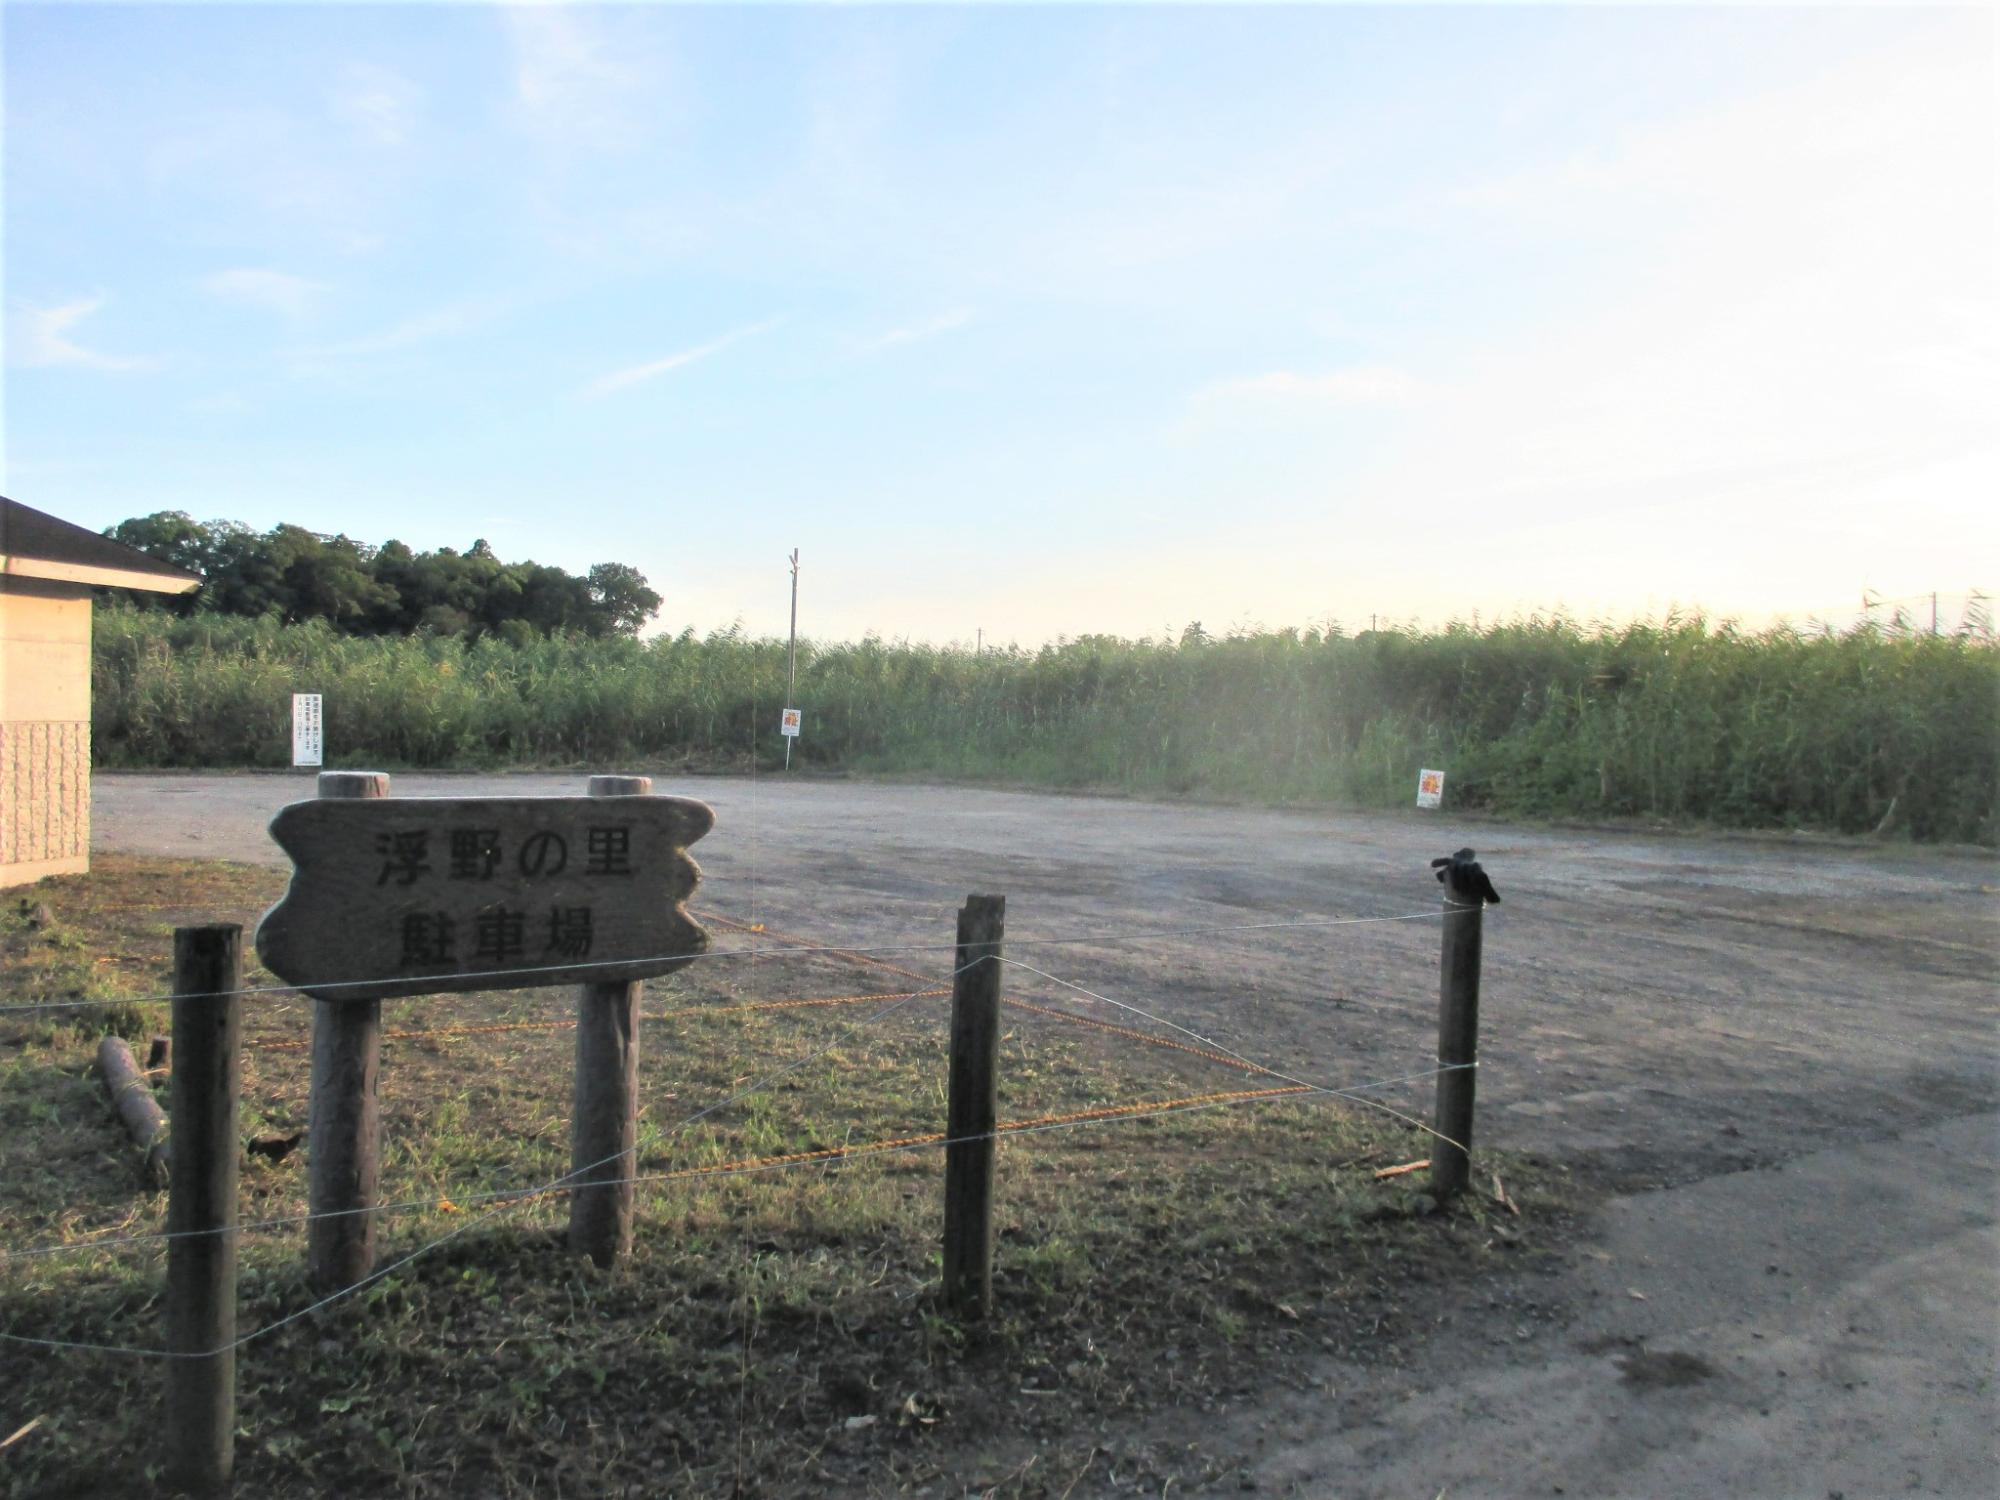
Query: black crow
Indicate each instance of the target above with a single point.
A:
(1467, 881)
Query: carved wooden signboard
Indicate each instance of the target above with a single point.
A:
(418, 895)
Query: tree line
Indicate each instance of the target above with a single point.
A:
(294, 575)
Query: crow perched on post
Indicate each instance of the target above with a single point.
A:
(1461, 875)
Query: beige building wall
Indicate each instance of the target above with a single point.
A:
(44, 729)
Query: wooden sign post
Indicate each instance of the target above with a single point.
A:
(604, 1125)
(420, 895)
(344, 1147)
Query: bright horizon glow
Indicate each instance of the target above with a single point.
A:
(1031, 321)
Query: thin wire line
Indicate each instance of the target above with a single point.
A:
(1210, 1042)
(848, 1029)
(411, 1205)
(678, 960)
(1002, 1132)
(515, 1200)
(689, 1120)
(525, 1196)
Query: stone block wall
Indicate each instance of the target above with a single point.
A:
(44, 730)
(44, 800)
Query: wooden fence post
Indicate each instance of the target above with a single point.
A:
(344, 1157)
(201, 1206)
(972, 1108)
(604, 1129)
(1466, 892)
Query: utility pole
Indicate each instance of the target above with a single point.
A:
(1933, 611)
(792, 655)
(979, 639)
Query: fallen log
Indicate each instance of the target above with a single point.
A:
(132, 1098)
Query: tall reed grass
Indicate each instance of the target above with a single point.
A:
(1683, 720)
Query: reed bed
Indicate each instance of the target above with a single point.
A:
(1685, 720)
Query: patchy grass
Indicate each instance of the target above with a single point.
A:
(777, 1331)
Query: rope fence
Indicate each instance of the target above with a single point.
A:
(793, 948)
(897, 999)
(968, 1142)
(519, 1197)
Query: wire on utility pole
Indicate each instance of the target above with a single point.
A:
(792, 656)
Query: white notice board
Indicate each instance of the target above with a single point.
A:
(308, 736)
(1430, 788)
(789, 724)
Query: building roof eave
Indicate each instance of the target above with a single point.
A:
(34, 544)
(90, 576)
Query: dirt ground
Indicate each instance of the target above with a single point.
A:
(1776, 1056)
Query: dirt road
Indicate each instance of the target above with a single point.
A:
(1779, 1055)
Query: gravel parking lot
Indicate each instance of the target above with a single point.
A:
(1769, 1052)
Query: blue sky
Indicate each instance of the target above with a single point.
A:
(1034, 320)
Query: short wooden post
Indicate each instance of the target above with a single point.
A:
(345, 1144)
(972, 1107)
(201, 1207)
(1466, 892)
(604, 1131)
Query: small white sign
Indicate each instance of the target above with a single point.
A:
(1430, 788)
(308, 738)
(789, 724)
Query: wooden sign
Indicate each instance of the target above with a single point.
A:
(418, 895)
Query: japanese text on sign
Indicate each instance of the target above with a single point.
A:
(308, 741)
(500, 933)
(407, 896)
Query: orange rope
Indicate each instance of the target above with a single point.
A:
(934, 1137)
(1142, 1036)
(1113, 1111)
(797, 942)
(837, 1000)
(1006, 1127)
(1040, 1010)
(564, 1025)
(813, 1003)
(1125, 1031)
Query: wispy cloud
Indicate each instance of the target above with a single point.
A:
(618, 380)
(379, 104)
(39, 337)
(1359, 385)
(273, 291)
(419, 328)
(571, 80)
(957, 318)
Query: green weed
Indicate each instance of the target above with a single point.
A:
(1684, 720)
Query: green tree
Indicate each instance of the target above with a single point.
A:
(294, 575)
(620, 599)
